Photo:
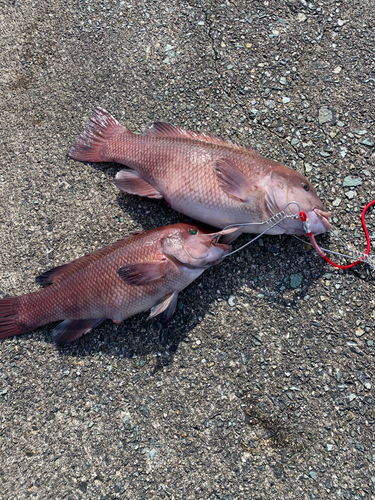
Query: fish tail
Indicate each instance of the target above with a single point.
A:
(91, 145)
(9, 326)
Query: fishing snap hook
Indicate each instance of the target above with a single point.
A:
(271, 222)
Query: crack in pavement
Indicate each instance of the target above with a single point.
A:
(235, 101)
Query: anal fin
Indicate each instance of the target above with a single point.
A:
(72, 329)
(132, 182)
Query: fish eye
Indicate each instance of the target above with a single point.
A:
(193, 231)
(305, 186)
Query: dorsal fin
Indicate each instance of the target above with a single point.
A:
(160, 129)
(61, 272)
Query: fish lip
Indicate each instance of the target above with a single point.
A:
(325, 217)
(322, 213)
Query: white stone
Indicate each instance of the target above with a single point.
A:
(301, 17)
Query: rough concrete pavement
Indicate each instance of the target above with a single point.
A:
(262, 385)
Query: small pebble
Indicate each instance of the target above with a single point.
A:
(145, 411)
(337, 70)
(232, 300)
(245, 358)
(350, 181)
(368, 142)
(325, 115)
(301, 17)
(270, 104)
(359, 332)
(296, 280)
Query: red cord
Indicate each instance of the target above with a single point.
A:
(303, 218)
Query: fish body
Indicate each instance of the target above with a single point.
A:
(142, 271)
(204, 177)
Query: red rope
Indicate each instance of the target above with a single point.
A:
(303, 218)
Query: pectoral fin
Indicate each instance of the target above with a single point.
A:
(232, 180)
(72, 329)
(167, 306)
(132, 182)
(142, 273)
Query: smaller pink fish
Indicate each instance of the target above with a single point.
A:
(142, 271)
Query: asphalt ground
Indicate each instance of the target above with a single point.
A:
(262, 385)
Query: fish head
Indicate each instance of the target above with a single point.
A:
(194, 247)
(284, 186)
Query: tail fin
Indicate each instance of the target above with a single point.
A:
(8, 319)
(89, 145)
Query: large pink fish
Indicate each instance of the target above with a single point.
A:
(142, 271)
(204, 177)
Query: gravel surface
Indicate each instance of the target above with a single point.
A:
(262, 385)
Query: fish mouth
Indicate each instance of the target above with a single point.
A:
(215, 253)
(212, 242)
(226, 249)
